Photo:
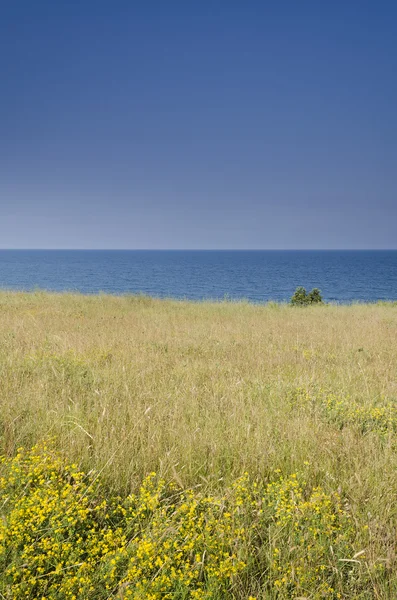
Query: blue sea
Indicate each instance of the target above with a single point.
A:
(258, 276)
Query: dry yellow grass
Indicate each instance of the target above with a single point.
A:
(201, 392)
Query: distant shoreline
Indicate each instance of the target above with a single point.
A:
(151, 298)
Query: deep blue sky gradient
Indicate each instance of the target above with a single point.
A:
(198, 124)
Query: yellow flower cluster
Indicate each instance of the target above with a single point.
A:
(60, 539)
(380, 417)
(311, 534)
(55, 535)
(187, 542)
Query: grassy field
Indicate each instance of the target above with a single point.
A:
(271, 431)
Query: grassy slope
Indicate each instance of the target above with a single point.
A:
(203, 392)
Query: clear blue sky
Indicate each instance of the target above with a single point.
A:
(198, 124)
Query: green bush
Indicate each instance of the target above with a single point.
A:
(315, 296)
(302, 298)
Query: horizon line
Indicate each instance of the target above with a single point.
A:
(198, 249)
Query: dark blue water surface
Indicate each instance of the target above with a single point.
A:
(342, 276)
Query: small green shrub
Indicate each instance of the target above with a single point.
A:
(302, 298)
(315, 296)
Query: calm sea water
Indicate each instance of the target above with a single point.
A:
(342, 276)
